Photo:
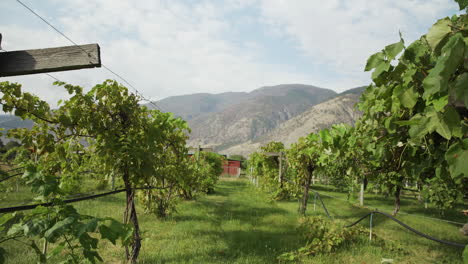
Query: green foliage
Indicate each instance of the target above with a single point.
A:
(410, 109)
(73, 234)
(265, 167)
(413, 129)
(106, 132)
(322, 236)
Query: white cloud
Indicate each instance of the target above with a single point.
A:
(342, 34)
(169, 48)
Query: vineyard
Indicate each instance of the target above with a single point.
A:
(102, 178)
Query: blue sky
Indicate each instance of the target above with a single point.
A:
(173, 47)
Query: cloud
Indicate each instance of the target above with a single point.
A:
(166, 48)
(342, 34)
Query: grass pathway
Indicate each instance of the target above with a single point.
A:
(234, 225)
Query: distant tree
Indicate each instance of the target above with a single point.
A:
(237, 157)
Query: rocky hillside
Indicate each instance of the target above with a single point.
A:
(194, 105)
(263, 111)
(238, 122)
(340, 109)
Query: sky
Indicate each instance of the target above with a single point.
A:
(174, 47)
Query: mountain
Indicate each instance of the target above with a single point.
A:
(191, 106)
(239, 122)
(263, 110)
(356, 91)
(340, 109)
(8, 122)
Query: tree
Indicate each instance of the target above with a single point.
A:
(415, 112)
(121, 137)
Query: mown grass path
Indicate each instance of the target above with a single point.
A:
(234, 225)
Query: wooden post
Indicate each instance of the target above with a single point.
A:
(24, 62)
(280, 179)
(361, 195)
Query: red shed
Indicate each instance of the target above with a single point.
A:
(232, 167)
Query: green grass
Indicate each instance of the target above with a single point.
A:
(238, 224)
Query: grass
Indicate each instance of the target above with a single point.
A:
(238, 224)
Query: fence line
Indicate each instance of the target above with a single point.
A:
(450, 243)
(401, 212)
(32, 206)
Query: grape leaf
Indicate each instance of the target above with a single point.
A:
(374, 61)
(438, 32)
(461, 90)
(51, 234)
(408, 96)
(457, 158)
(462, 4)
(394, 49)
(452, 119)
(440, 103)
(447, 63)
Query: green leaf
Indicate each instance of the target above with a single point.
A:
(408, 96)
(58, 228)
(88, 227)
(415, 51)
(441, 127)
(374, 61)
(461, 90)
(92, 255)
(390, 125)
(407, 122)
(88, 242)
(15, 229)
(447, 63)
(462, 4)
(438, 32)
(453, 122)
(112, 232)
(394, 49)
(440, 103)
(383, 67)
(325, 136)
(457, 159)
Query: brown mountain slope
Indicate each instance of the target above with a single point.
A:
(192, 106)
(340, 109)
(264, 110)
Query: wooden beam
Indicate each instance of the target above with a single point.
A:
(24, 62)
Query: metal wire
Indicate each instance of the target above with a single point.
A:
(450, 243)
(137, 92)
(32, 206)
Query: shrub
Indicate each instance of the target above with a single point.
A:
(322, 235)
